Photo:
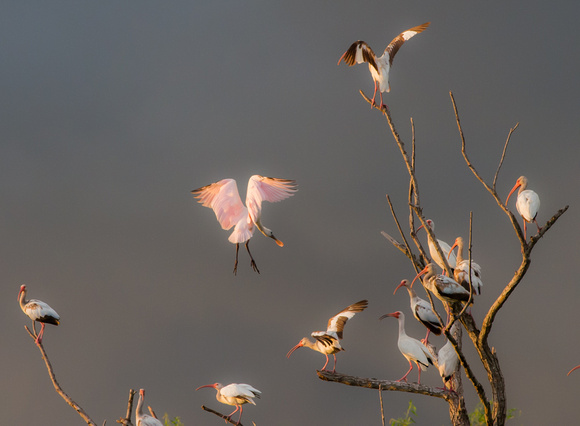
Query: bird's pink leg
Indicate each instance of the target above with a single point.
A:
(525, 238)
(406, 374)
(39, 337)
(374, 94)
(539, 227)
(254, 266)
(324, 368)
(334, 369)
(240, 418)
(236, 264)
(419, 379)
(426, 339)
(234, 412)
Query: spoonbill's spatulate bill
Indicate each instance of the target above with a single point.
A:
(236, 394)
(527, 204)
(360, 52)
(37, 311)
(223, 197)
(327, 342)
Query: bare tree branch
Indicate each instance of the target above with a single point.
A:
(223, 416)
(127, 420)
(513, 129)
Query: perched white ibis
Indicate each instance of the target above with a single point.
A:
(360, 52)
(144, 419)
(327, 342)
(411, 348)
(236, 394)
(528, 202)
(445, 288)
(223, 197)
(461, 271)
(422, 311)
(578, 366)
(445, 248)
(37, 311)
(447, 362)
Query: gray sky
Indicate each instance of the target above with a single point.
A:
(114, 111)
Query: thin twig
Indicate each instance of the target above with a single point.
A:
(57, 387)
(513, 129)
(381, 399)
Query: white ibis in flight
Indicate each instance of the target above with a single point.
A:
(144, 419)
(445, 248)
(461, 271)
(411, 348)
(445, 288)
(360, 52)
(236, 394)
(223, 197)
(447, 362)
(422, 311)
(37, 311)
(528, 202)
(327, 342)
(578, 366)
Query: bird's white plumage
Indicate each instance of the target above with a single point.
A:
(445, 248)
(422, 310)
(379, 67)
(443, 287)
(37, 310)
(527, 203)
(461, 272)
(447, 361)
(237, 392)
(141, 418)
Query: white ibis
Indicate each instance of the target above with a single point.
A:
(327, 342)
(445, 248)
(144, 419)
(422, 311)
(528, 202)
(445, 288)
(37, 311)
(447, 362)
(236, 394)
(360, 52)
(461, 271)
(223, 197)
(411, 348)
(578, 366)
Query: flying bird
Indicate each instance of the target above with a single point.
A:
(223, 197)
(144, 419)
(422, 311)
(236, 394)
(445, 248)
(411, 348)
(445, 288)
(327, 342)
(37, 311)
(461, 271)
(527, 204)
(360, 52)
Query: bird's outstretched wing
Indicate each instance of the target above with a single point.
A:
(223, 197)
(337, 322)
(398, 41)
(262, 188)
(359, 52)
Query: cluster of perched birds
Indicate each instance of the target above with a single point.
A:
(223, 197)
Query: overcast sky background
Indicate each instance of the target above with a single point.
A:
(113, 111)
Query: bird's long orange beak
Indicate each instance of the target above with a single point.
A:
(418, 275)
(206, 386)
(451, 249)
(578, 366)
(516, 186)
(299, 345)
(403, 284)
(392, 314)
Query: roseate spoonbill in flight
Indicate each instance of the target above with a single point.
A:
(445, 288)
(236, 394)
(327, 342)
(422, 311)
(144, 419)
(37, 311)
(360, 52)
(223, 197)
(461, 271)
(527, 204)
(411, 348)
